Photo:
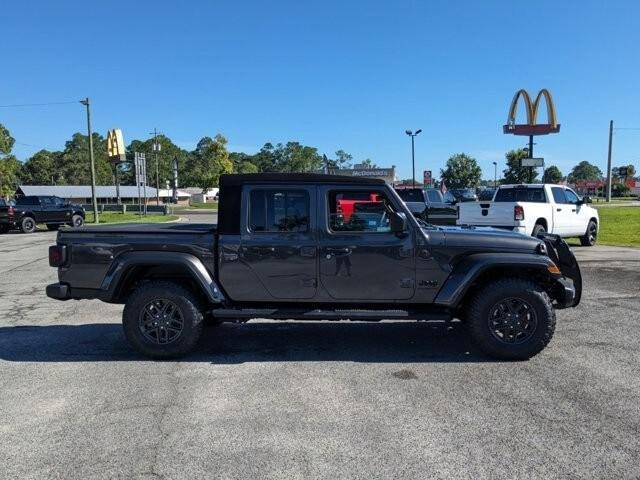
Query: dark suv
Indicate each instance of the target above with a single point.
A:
(430, 204)
(30, 210)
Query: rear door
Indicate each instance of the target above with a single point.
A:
(278, 243)
(439, 211)
(360, 258)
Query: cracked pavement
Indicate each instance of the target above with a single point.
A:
(314, 400)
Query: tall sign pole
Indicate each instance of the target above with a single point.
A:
(85, 102)
(609, 161)
(156, 149)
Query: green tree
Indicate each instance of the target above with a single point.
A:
(461, 171)
(6, 141)
(10, 167)
(552, 174)
(342, 160)
(10, 170)
(514, 173)
(211, 159)
(168, 151)
(42, 168)
(584, 171)
(74, 167)
(247, 167)
(294, 157)
(368, 163)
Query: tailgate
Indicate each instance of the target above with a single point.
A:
(486, 213)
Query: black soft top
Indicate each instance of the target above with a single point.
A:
(242, 178)
(231, 191)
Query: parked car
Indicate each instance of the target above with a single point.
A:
(430, 204)
(536, 209)
(464, 194)
(30, 210)
(281, 250)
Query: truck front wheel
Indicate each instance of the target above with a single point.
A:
(162, 320)
(511, 319)
(591, 235)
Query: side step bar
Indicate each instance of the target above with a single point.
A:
(318, 314)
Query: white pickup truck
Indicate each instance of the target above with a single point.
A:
(535, 209)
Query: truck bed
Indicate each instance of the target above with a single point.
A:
(146, 228)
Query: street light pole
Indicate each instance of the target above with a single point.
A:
(413, 154)
(85, 102)
(495, 174)
(609, 161)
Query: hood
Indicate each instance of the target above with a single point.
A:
(486, 239)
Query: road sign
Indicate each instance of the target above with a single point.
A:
(532, 162)
(140, 164)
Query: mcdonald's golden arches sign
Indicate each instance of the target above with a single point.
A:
(115, 145)
(532, 127)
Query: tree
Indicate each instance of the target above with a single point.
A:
(10, 169)
(552, 174)
(43, 168)
(168, 152)
(211, 160)
(247, 167)
(368, 163)
(6, 141)
(342, 160)
(584, 171)
(462, 171)
(73, 165)
(295, 157)
(630, 172)
(514, 173)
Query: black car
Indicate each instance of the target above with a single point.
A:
(284, 249)
(464, 194)
(29, 210)
(430, 204)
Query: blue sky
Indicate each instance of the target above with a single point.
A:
(331, 74)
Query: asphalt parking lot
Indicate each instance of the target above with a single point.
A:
(315, 400)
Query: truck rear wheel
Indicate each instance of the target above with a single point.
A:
(538, 229)
(77, 221)
(511, 319)
(28, 225)
(163, 320)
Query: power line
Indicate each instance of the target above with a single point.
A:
(37, 104)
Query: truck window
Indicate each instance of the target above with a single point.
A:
(369, 215)
(558, 195)
(279, 210)
(411, 194)
(535, 195)
(434, 195)
(571, 197)
(27, 201)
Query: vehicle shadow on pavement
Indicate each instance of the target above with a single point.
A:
(385, 342)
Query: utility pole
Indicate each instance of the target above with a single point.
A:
(609, 161)
(85, 102)
(156, 149)
(530, 156)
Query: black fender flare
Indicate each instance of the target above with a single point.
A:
(471, 267)
(191, 263)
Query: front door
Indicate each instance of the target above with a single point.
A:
(278, 244)
(360, 258)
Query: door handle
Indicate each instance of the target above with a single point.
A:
(558, 209)
(573, 209)
(339, 251)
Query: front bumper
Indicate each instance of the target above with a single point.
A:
(563, 257)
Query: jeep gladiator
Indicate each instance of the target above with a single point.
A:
(282, 249)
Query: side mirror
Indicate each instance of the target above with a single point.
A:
(398, 222)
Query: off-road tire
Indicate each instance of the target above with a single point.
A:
(77, 221)
(590, 237)
(53, 226)
(190, 309)
(484, 301)
(538, 229)
(28, 225)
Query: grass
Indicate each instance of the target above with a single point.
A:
(205, 206)
(113, 217)
(619, 226)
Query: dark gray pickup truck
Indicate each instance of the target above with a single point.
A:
(284, 248)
